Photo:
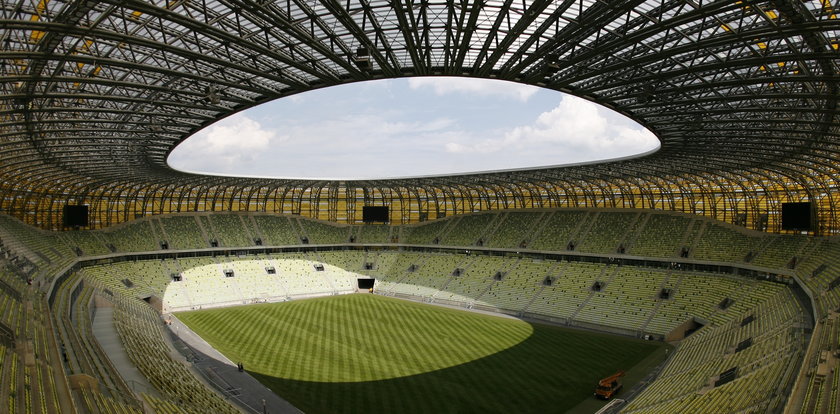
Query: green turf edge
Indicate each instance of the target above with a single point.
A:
(636, 373)
(633, 377)
(458, 316)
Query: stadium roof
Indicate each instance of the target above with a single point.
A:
(742, 94)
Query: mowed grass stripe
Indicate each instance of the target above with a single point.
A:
(312, 335)
(366, 353)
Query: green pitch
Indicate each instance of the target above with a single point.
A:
(371, 354)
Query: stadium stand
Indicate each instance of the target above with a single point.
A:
(688, 381)
(373, 234)
(29, 370)
(349, 261)
(723, 244)
(278, 230)
(819, 272)
(571, 287)
(204, 279)
(228, 229)
(819, 383)
(473, 277)
(765, 352)
(428, 275)
(516, 230)
(661, 236)
(607, 232)
(207, 230)
(36, 252)
(140, 331)
(97, 402)
(424, 233)
(381, 265)
(163, 406)
(137, 279)
(468, 230)
(627, 300)
(85, 355)
(516, 282)
(741, 98)
(85, 243)
(780, 251)
(184, 232)
(319, 232)
(135, 237)
(558, 230)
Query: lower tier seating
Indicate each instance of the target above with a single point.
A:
(140, 330)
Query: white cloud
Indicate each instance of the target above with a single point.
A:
(354, 134)
(360, 132)
(224, 146)
(574, 131)
(474, 86)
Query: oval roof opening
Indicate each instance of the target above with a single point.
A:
(411, 127)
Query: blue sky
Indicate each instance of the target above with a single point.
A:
(411, 127)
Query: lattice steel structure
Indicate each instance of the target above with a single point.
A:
(742, 94)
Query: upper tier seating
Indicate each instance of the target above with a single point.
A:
(516, 230)
(606, 232)
(424, 233)
(322, 233)
(819, 269)
(557, 231)
(43, 249)
(660, 237)
(467, 230)
(373, 233)
(277, 230)
(723, 244)
(135, 237)
(779, 252)
(184, 233)
(88, 243)
(228, 229)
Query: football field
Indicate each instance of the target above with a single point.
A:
(366, 353)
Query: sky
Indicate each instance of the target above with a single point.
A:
(411, 127)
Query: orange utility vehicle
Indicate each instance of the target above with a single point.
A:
(609, 386)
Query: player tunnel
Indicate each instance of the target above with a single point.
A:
(365, 284)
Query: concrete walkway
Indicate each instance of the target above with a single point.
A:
(106, 334)
(238, 387)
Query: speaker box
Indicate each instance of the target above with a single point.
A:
(75, 216)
